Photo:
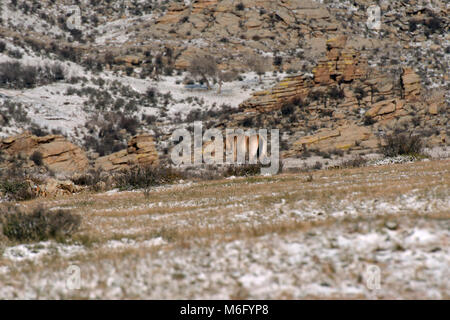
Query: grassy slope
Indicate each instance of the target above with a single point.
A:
(261, 237)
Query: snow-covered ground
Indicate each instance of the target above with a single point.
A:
(51, 107)
(412, 261)
(287, 236)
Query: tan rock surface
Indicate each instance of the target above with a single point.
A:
(411, 84)
(141, 151)
(58, 154)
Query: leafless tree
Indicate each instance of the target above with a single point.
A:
(258, 64)
(225, 76)
(205, 68)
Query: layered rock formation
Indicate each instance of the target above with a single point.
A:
(53, 188)
(342, 65)
(234, 27)
(346, 104)
(141, 151)
(411, 85)
(58, 154)
(296, 86)
(342, 138)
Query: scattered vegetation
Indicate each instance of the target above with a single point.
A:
(37, 158)
(40, 225)
(240, 6)
(287, 109)
(14, 182)
(92, 179)
(259, 65)
(14, 111)
(108, 134)
(143, 177)
(354, 163)
(16, 190)
(402, 144)
(16, 75)
(243, 170)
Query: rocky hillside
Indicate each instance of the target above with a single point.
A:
(101, 72)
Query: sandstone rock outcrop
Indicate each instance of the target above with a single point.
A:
(54, 188)
(386, 109)
(345, 104)
(296, 86)
(141, 151)
(341, 65)
(411, 84)
(342, 138)
(223, 25)
(58, 154)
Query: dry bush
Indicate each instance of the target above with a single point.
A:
(243, 170)
(142, 177)
(402, 144)
(13, 184)
(93, 179)
(40, 225)
(204, 68)
(259, 65)
(16, 190)
(354, 163)
(18, 76)
(37, 158)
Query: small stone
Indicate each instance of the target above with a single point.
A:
(391, 225)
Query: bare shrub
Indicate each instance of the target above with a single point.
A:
(110, 136)
(243, 170)
(258, 64)
(37, 158)
(13, 182)
(354, 163)
(402, 144)
(287, 109)
(92, 179)
(40, 225)
(204, 68)
(18, 76)
(142, 177)
(16, 190)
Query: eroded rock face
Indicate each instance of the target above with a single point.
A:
(141, 151)
(296, 86)
(58, 154)
(411, 84)
(342, 138)
(342, 64)
(387, 110)
(54, 188)
(345, 104)
(280, 24)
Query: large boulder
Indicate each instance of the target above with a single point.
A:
(58, 154)
(342, 138)
(53, 188)
(141, 151)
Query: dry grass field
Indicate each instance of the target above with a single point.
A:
(291, 236)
